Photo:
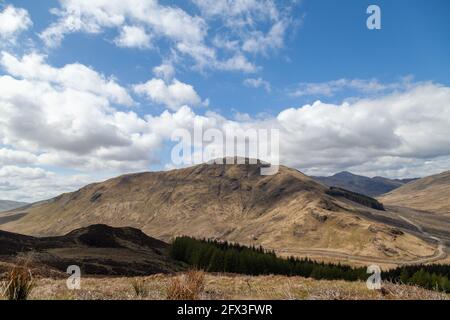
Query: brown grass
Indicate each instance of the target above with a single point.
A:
(187, 287)
(18, 284)
(228, 287)
(140, 288)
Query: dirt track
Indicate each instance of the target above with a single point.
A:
(427, 225)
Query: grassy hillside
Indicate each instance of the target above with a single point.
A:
(286, 211)
(429, 194)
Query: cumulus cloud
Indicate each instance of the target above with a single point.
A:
(96, 15)
(140, 23)
(133, 37)
(165, 71)
(10, 157)
(137, 22)
(72, 76)
(258, 42)
(258, 83)
(30, 184)
(13, 21)
(172, 95)
(65, 122)
(245, 20)
(404, 125)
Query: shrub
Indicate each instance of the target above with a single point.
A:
(188, 287)
(19, 283)
(140, 288)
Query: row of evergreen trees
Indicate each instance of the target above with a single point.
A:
(218, 256)
(433, 277)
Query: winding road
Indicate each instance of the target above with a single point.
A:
(439, 254)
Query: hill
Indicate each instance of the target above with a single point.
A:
(6, 205)
(364, 185)
(97, 249)
(429, 194)
(288, 212)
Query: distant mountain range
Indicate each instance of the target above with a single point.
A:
(369, 186)
(6, 205)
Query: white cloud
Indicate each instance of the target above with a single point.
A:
(72, 76)
(258, 83)
(136, 20)
(66, 123)
(330, 88)
(133, 37)
(404, 125)
(30, 173)
(94, 16)
(13, 21)
(33, 184)
(258, 42)
(173, 95)
(165, 71)
(249, 26)
(246, 22)
(239, 13)
(10, 157)
(238, 63)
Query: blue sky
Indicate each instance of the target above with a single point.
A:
(250, 64)
(329, 42)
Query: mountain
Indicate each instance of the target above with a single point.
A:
(429, 194)
(369, 186)
(6, 205)
(288, 212)
(97, 249)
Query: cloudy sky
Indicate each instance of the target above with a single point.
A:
(90, 89)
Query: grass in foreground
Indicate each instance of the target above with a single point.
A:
(189, 286)
(228, 287)
(18, 283)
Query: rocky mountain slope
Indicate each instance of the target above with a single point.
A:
(287, 212)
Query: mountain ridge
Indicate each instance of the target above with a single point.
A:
(288, 210)
(373, 187)
(6, 205)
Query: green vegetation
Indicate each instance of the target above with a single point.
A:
(433, 277)
(356, 197)
(216, 256)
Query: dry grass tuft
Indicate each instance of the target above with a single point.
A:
(18, 284)
(190, 286)
(140, 288)
(409, 292)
